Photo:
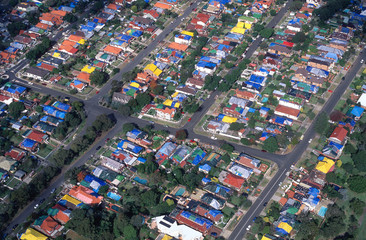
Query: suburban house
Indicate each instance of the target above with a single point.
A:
(36, 73)
(339, 135)
(165, 113)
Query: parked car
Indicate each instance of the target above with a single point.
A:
(99, 147)
(189, 119)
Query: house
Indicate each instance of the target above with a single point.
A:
(321, 63)
(279, 49)
(356, 112)
(244, 94)
(52, 61)
(112, 164)
(48, 226)
(20, 174)
(248, 161)
(165, 113)
(130, 147)
(59, 213)
(16, 154)
(6, 164)
(121, 97)
(183, 39)
(85, 195)
(180, 154)
(32, 234)
(12, 90)
(362, 100)
(78, 85)
(36, 73)
(240, 170)
(231, 180)
(316, 3)
(196, 83)
(51, 120)
(165, 152)
(138, 137)
(151, 13)
(29, 145)
(302, 75)
(206, 67)
(217, 127)
(287, 112)
(205, 211)
(169, 226)
(36, 136)
(339, 135)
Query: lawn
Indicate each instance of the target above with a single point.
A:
(16, 139)
(107, 153)
(13, 183)
(363, 229)
(45, 151)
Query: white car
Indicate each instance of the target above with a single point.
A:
(310, 140)
(248, 228)
(362, 61)
(36, 206)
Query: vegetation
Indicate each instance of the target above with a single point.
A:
(39, 50)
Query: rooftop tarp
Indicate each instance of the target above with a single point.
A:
(70, 199)
(88, 69)
(114, 196)
(32, 234)
(325, 165)
(284, 228)
(188, 33)
(61, 106)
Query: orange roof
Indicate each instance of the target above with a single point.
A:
(233, 180)
(85, 195)
(83, 76)
(162, 5)
(55, 19)
(288, 110)
(68, 49)
(68, 43)
(168, 110)
(77, 86)
(112, 50)
(290, 194)
(49, 225)
(112, 6)
(43, 26)
(59, 13)
(75, 38)
(47, 67)
(283, 201)
(178, 46)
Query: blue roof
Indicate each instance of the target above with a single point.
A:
(214, 213)
(125, 144)
(205, 167)
(54, 112)
(114, 196)
(140, 159)
(206, 180)
(28, 143)
(357, 111)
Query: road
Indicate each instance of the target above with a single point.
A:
(93, 110)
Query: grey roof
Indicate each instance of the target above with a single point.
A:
(37, 72)
(53, 61)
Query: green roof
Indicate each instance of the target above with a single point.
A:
(248, 19)
(120, 177)
(40, 220)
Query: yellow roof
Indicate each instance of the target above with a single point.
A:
(166, 237)
(188, 33)
(56, 54)
(285, 227)
(135, 84)
(240, 25)
(229, 119)
(364, 71)
(265, 238)
(32, 234)
(175, 94)
(238, 30)
(325, 165)
(151, 67)
(248, 25)
(88, 69)
(71, 200)
(81, 41)
(157, 72)
(169, 103)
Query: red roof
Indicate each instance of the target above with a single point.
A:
(83, 76)
(46, 66)
(234, 181)
(15, 154)
(339, 133)
(288, 110)
(49, 225)
(37, 136)
(4, 98)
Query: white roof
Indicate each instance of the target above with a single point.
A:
(170, 227)
(362, 100)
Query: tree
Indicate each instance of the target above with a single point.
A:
(98, 77)
(227, 147)
(266, 33)
(15, 27)
(127, 127)
(137, 221)
(296, 6)
(39, 50)
(273, 12)
(71, 18)
(235, 126)
(321, 123)
(181, 134)
(357, 206)
(359, 160)
(158, 90)
(134, 9)
(299, 37)
(270, 144)
(15, 109)
(357, 183)
(124, 110)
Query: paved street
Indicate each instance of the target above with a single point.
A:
(93, 110)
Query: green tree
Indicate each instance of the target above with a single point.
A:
(321, 123)
(71, 18)
(127, 127)
(15, 109)
(299, 37)
(273, 12)
(270, 144)
(266, 33)
(98, 77)
(357, 206)
(359, 160)
(236, 126)
(181, 134)
(357, 183)
(296, 6)
(227, 147)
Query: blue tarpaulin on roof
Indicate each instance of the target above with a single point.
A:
(206, 180)
(28, 143)
(114, 196)
(214, 213)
